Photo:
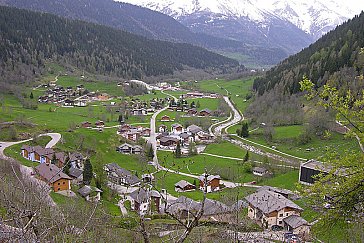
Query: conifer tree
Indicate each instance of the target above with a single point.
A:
(87, 172)
(178, 151)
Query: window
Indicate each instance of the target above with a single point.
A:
(286, 214)
(280, 222)
(281, 215)
(59, 183)
(64, 183)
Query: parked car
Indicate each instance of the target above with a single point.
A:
(276, 227)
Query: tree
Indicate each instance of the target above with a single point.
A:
(54, 159)
(150, 152)
(342, 188)
(31, 95)
(193, 105)
(268, 133)
(178, 152)
(67, 165)
(245, 130)
(246, 157)
(198, 104)
(87, 172)
(121, 119)
(192, 150)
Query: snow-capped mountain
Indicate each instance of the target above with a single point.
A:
(315, 17)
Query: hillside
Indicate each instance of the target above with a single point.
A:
(29, 39)
(333, 57)
(155, 25)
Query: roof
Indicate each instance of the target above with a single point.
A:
(316, 165)
(51, 173)
(268, 201)
(75, 173)
(182, 184)
(295, 221)
(194, 129)
(176, 125)
(206, 110)
(260, 169)
(44, 151)
(277, 190)
(87, 190)
(209, 177)
(211, 207)
(184, 135)
(166, 139)
(125, 145)
(123, 173)
(139, 195)
(76, 156)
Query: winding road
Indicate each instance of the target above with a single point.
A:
(56, 137)
(236, 119)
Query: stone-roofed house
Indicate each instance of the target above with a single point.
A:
(168, 141)
(177, 128)
(212, 182)
(194, 129)
(76, 160)
(53, 176)
(205, 112)
(297, 225)
(184, 186)
(259, 171)
(76, 175)
(121, 176)
(143, 201)
(270, 208)
(129, 149)
(90, 193)
(284, 192)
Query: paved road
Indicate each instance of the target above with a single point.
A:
(153, 137)
(236, 119)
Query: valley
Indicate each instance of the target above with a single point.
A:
(201, 121)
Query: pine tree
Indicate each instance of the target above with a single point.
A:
(245, 130)
(54, 159)
(198, 104)
(246, 157)
(87, 172)
(150, 152)
(67, 166)
(31, 95)
(193, 105)
(178, 151)
(120, 119)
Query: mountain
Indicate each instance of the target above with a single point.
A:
(337, 57)
(150, 24)
(287, 24)
(29, 39)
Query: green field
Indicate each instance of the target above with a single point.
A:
(236, 89)
(285, 139)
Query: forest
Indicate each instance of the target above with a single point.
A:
(334, 57)
(29, 39)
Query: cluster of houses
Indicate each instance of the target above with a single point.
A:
(51, 164)
(179, 134)
(98, 124)
(210, 183)
(133, 133)
(137, 107)
(202, 95)
(71, 97)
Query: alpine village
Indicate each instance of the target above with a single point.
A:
(181, 121)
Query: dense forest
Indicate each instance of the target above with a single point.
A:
(28, 39)
(335, 57)
(148, 23)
